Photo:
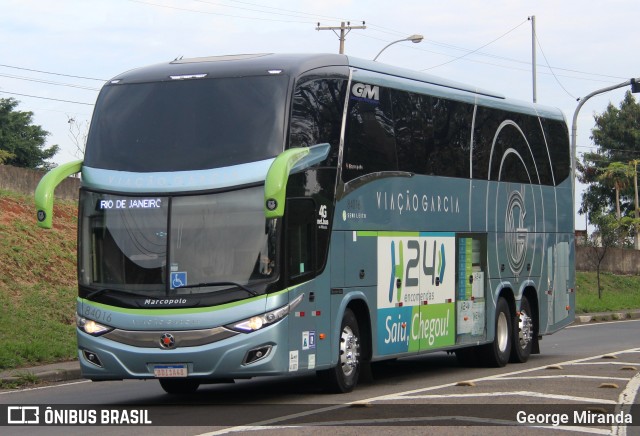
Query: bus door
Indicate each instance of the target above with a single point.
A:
(471, 280)
(301, 260)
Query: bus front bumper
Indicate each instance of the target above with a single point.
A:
(263, 352)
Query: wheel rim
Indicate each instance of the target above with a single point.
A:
(349, 351)
(502, 332)
(525, 329)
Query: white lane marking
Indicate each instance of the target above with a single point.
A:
(605, 362)
(413, 391)
(625, 401)
(587, 377)
(464, 420)
(505, 394)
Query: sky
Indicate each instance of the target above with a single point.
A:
(55, 55)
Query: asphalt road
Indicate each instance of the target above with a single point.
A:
(582, 371)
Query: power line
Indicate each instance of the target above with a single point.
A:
(216, 13)
(477, 61)
(478, 49)
(46, 98)
(375, 27)
(550, 69)
(49, 72)
(291, 13)
(48, 82)
(315, 16)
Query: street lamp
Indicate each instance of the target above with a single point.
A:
(574, 127)
(413, 38)
(634, 82)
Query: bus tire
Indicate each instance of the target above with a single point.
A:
(179, 386)
(344, 376)
(523, 333)
(497, 353)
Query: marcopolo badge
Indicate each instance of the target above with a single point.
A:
(272, 204)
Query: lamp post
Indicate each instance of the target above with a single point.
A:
(574, 127)
(413, 38)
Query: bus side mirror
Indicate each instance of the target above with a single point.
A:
(46, 187)
(288, 162)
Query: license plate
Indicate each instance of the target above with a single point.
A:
(172, 370)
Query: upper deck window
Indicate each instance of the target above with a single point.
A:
(187, 124)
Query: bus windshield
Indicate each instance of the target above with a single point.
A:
(183, 125)
(155, 245)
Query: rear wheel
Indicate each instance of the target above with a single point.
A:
(179, 386)
(523, 333)
(497, 353)
(344, 376)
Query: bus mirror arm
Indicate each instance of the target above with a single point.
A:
(289, 162)
(46, 187)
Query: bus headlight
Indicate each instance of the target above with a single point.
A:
(91, 327)
(266, 319)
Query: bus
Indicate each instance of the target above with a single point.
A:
(282, 214)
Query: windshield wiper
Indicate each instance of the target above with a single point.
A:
(205, 284)
(97, 292)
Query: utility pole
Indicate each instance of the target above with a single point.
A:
(533, 56)
(635, 163)
(348, 28)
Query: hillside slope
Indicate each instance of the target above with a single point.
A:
(37, 284)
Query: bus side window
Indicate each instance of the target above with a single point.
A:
(370, 144)
(316, 115)
(414, 130)
(300, 239)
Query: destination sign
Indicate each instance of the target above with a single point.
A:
(129, 203)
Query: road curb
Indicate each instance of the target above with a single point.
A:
(28, 375)
(607, 316)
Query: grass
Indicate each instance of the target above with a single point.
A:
(619, 293)
(20, 380)
(38, 285)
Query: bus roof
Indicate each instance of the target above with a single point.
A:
(296, 64)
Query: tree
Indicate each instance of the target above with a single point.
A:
(607, 235)
(617, 175)
(5, 155)
(78, 134)
(22, 143)
(617, 136)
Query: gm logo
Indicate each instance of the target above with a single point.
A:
(369, 92)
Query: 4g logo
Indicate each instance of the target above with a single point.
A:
(421, 262)
(323, 214)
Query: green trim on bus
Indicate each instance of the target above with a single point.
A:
(46, 187)
(275, 187)
(181, 311)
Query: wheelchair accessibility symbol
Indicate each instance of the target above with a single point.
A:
(178, 279)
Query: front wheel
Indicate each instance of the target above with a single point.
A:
(497, 353)
(344, 376)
